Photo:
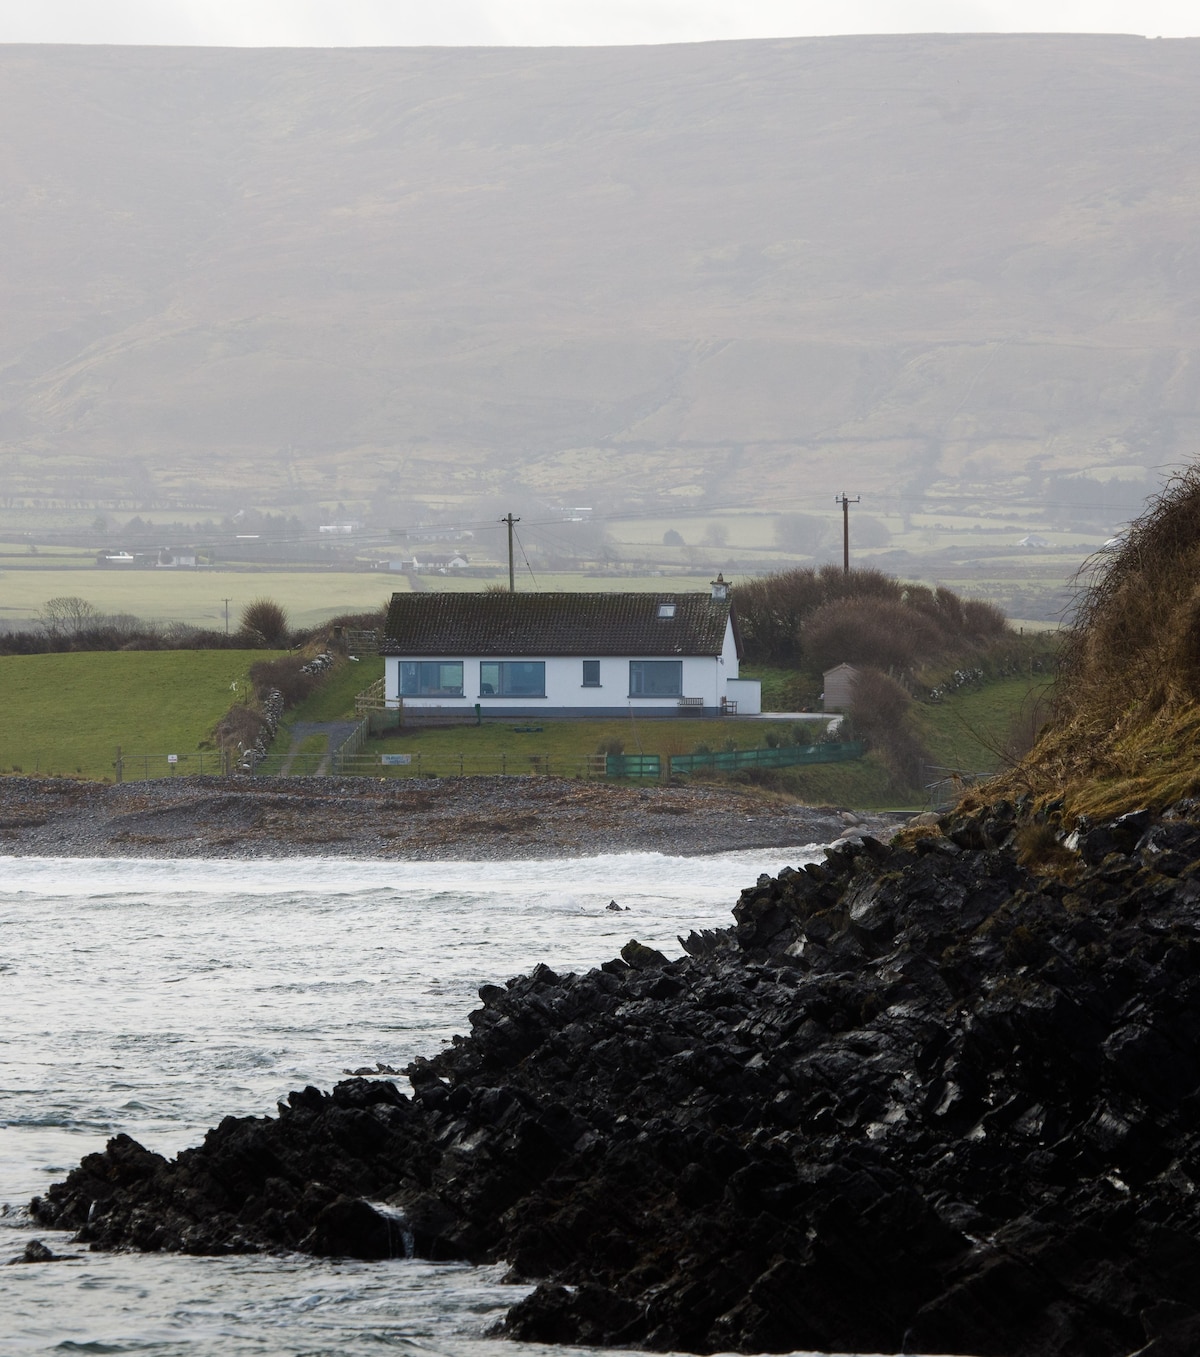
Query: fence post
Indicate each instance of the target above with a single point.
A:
(119, 765)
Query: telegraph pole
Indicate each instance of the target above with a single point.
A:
(846, 503)
(510, 520)
(226, 601)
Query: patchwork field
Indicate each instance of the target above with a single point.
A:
(196, 596)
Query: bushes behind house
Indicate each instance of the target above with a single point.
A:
(818, 617)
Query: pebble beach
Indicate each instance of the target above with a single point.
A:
(474, 818)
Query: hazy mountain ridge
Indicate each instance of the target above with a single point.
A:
(734, 271)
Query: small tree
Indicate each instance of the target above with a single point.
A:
(67, 616)
(266, 621)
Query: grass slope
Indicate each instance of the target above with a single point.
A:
(66, 714)
(976, 731)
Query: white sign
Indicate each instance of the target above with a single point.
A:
(395, 760)
(172, 758)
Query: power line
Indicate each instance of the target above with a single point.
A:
(525, 558)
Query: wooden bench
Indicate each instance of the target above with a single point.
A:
(692, 702)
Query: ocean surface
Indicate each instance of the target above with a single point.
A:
(155, 997)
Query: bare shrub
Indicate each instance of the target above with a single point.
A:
(883, 633)
(983, 621)
(284, 673)
(266, 621)
(881, 715)
(239, 726)
(778, 618)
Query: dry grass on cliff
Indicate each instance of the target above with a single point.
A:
(1125, 728)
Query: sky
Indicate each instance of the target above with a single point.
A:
(371, 23)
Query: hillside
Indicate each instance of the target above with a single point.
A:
(746, 273)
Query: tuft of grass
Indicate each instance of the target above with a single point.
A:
(1125, 726)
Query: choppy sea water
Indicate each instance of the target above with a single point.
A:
(155, 997)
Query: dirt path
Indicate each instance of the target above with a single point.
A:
(335, 732)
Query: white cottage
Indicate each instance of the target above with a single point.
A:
(560, 654)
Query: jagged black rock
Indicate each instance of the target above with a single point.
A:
(916, 1098)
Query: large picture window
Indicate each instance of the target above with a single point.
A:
(655, 678)
(512, 678)
(431, 678)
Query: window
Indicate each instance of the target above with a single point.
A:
(666, 610)
(591, 673)
(655, 678)
(431, 678)
(512, 678)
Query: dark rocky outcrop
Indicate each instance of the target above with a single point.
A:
(919, 1098)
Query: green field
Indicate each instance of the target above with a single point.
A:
(66, 714)
(197, 596)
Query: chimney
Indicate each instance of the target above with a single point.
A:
(720, 589)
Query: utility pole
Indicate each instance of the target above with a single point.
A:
(846, 503)
(510, 520)
(226, 601)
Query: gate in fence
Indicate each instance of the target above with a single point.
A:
(633, 765)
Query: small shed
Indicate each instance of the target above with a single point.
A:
(839, 687)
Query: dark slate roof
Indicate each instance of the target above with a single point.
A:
(454, 624)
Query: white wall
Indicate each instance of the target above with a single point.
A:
(747, 693)
(704, 676)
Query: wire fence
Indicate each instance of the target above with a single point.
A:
(123, 766)
(360, 756)
(369, 763)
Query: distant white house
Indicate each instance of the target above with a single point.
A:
(427, 563)
(567, 654)
(1033, 540)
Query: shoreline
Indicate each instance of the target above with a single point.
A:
(432, 819)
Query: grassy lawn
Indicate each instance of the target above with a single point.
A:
(68, 713)
(334, 699)
(520, 746)
(860, 785)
